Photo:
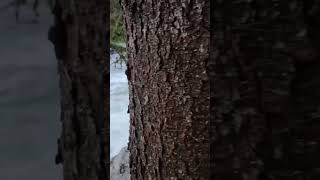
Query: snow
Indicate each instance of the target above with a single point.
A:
(119, 166)
(119, 100)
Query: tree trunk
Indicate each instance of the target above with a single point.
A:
(264, 66)
(167, 43)
(80, 37)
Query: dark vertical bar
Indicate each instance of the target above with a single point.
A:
(81, 39)
(210, 70)
(106, 94)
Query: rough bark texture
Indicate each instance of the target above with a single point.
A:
(265, 83)
(81, 39)
(167, 44)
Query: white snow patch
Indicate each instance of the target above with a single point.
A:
(119, 166)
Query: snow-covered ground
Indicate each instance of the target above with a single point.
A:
(119, 99)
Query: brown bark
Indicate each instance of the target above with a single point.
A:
(265, 102)
(81, 40)
(169, 89)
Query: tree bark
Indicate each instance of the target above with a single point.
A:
(167, 43)
(81, 40)
(264, 65)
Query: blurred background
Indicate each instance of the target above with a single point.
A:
(119, 98)
(29, 94)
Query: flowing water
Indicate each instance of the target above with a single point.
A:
(119, 119)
